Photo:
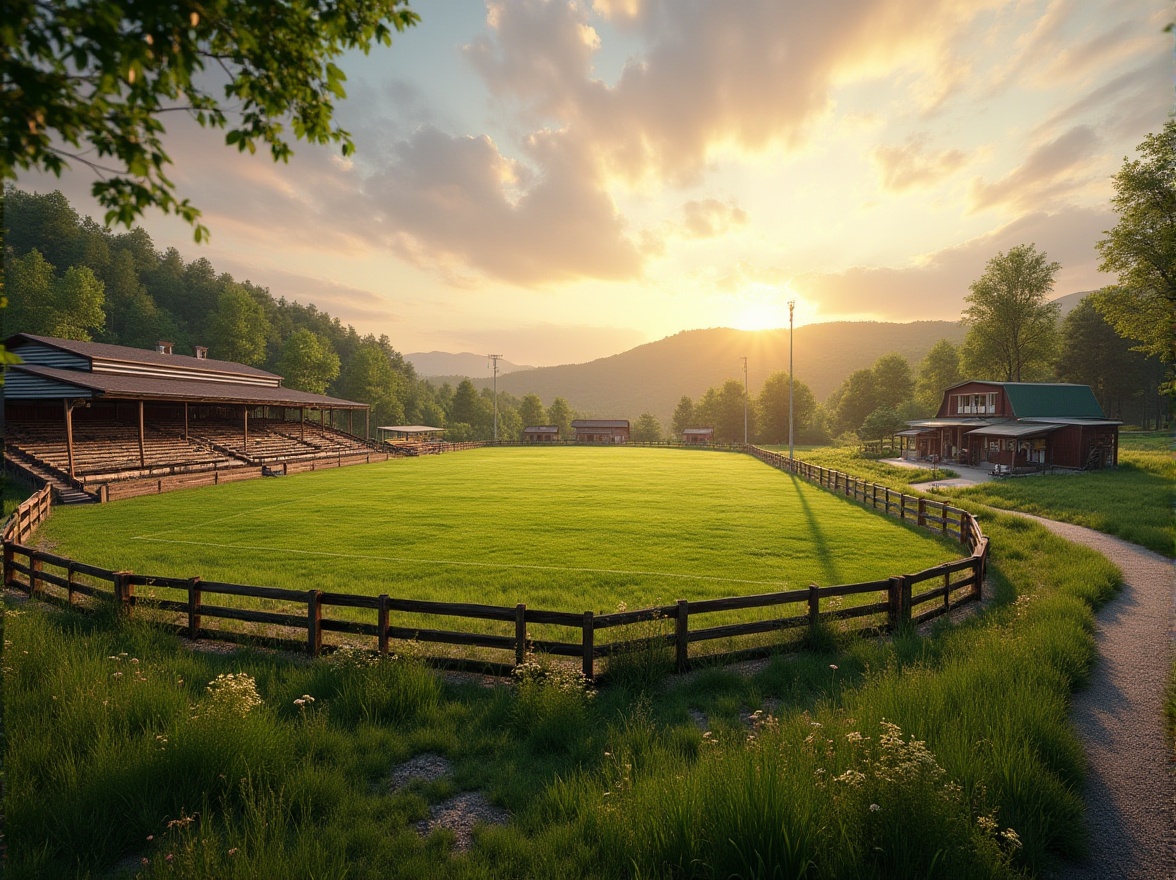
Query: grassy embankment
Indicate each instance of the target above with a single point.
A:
(941, 755)
(1133, 501)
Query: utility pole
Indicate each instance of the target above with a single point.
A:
(744, 400)
(791, 306)
(494, 358)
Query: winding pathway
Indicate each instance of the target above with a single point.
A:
(1130, 789)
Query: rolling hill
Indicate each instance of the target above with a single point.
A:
(652, 377)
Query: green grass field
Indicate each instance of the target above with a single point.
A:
(561, 529)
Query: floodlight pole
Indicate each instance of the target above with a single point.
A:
(494, 358)
(791, 306)
(744, 400)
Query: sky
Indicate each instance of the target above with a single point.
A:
(562, 181)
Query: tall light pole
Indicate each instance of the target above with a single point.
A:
(744, 400)
(791, 306)
(494, 358)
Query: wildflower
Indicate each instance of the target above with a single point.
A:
(1012, 838)
(150, 837)
(833, 666)
(233, 851)
(170, 857)
(874, 808)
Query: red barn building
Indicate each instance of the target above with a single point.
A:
(1015, 425)
(611, 431)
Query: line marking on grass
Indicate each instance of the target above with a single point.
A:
(519, 565)
(249, 512)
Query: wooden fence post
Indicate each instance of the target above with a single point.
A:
(894, 601)
(520, 634)
(9, 571)
(124, 592)
(589, 649)
(978, 578)
(382, 623)
(946, 590)
(964, 525)
(905, 602)
(314, 619)
(195, 600)
(923, 512)
(681, 633)
(35, 568)
(902, 507)
(814, 605)
(69, 584)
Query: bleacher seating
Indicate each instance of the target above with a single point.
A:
(109, 450)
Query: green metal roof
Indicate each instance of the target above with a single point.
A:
(1047, 400)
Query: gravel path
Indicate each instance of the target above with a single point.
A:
(1130, 789)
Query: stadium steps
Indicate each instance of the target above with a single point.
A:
(62, 490)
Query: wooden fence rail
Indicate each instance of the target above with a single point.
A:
(189, 603)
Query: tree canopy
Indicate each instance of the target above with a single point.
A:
(1141, 249)
(90, 81)
(1012, 335)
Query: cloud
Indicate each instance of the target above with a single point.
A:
(458, 201)
(935, 286)
(710, 218)
(1124, 106)
(911, 164)
(1049, 173)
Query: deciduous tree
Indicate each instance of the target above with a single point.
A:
(239, 327)
(531, 411)
(939, 370)
(307, 362)
(684, 416)
(69, 306)
(90, 82)
(1141, 249)
(772, 410)
(1012, 335)
(647, 429)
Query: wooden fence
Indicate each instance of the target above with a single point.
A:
(189, 603)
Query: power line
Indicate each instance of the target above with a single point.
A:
(494, 358)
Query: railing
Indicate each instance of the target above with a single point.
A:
(27, 516)
(895, 602)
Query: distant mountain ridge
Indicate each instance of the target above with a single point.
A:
(653, 377)
(443, 364)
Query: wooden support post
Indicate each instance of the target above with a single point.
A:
(69, 584)
(905, 612)
(588, 635)
(142, 451)
(520, 634)
(351, 421)
(301, 423)
(978, 578)
(185, 421)
(367, 424)
(814, 605)
(245, 429)
(922, 511)
(947, 589)
(382, 623)
(69, 452)
(314, 619)
(195, 600)
(682, 635)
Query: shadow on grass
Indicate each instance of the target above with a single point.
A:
(824, 553)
